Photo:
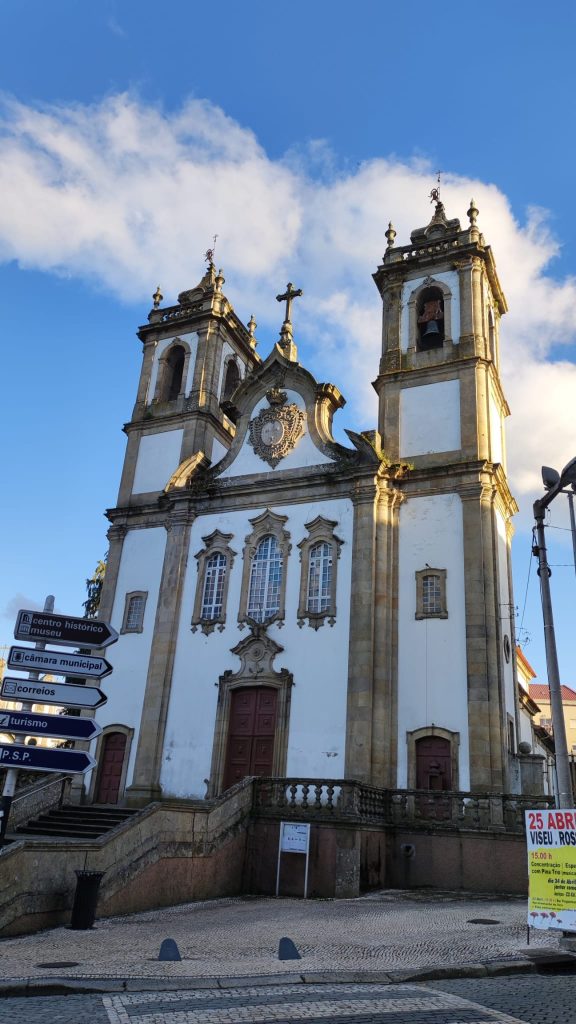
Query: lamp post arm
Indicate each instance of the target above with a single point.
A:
(565, 798)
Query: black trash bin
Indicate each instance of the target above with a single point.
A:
(85, 899)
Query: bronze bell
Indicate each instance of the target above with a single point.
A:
(431, 328)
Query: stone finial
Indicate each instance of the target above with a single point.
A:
(252, 325)
(473, 214)
(157, 297)
(219, 280)
(390, 235)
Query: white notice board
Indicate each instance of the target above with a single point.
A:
(294, 838)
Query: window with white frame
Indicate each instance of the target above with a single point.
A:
(265, 580)
(319, 553)
(134, 606)
(215, 562)
(264, 574)
(431, 594)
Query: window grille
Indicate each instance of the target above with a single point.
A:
(213, 596)
(320, 578)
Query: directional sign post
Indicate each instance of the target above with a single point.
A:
(50, 628)
(60, 663)
(60, 727)
(45, 759)
(40, 692)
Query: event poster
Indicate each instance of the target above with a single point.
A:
(551, 843)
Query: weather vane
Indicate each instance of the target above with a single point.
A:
(209, 254)
(435, 193)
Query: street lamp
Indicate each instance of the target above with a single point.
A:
(554, 482)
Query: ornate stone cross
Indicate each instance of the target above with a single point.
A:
(286, 339)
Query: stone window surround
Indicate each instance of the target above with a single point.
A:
(255, 671)
(433, 730)
(230, 358)
(163, 369)
(412, 304)
(267, 524)
(440, 574)
(215, 543)
(128, 732)
(131, 594)
(320, 531)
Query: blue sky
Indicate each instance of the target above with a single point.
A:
(132, 132)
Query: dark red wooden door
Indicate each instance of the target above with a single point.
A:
(251, 732)
(433, 763)
(110, 769)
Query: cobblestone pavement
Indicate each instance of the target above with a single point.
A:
(314, 1004)
(239, 938)
(536, 999)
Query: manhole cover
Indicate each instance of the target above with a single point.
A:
(482, 920)
(60, 963)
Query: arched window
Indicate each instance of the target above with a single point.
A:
(174, 369)
(134, 605)
(319, 596)
(213, 596)
(231, 379)
(215, 562)
(431, 594)
(319, 554)
(430, 319)
(265, 580)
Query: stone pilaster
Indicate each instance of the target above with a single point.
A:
(115, 535)
(146, 779)
(361, 653)
(385, 692)
(486, 712)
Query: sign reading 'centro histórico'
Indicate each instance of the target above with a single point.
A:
(50, 628)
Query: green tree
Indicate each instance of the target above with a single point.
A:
(94, 589)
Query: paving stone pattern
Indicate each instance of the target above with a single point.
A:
(537, 999)
(398, 1004)
(239, 938)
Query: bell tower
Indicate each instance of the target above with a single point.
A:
(194, 356)
(442, 411)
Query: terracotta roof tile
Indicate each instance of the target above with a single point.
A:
(539, 691)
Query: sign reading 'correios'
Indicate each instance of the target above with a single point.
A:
(551, 843)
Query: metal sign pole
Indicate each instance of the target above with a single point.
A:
(307, 860)
(12, 773)
(279, 855)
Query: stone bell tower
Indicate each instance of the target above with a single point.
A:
(442, 410)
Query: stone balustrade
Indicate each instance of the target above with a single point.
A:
(339, 800)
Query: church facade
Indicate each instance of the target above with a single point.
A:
(290, 606)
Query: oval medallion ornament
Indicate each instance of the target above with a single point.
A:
(274, 432)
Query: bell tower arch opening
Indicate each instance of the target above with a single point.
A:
(430, 319)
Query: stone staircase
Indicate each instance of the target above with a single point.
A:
(75, 822)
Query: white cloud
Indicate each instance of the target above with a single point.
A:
(128, 195)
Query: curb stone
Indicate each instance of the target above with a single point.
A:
(75, 986)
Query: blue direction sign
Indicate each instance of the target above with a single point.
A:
(61, 727)
(63, 629)
(60, 663)
(45, 759)
(41, 691)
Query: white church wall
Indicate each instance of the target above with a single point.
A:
(218, 451)
(140, 569)
(191, 339)
(432, 669)
(450, 279)
(305, 452)
(318, 659)
(158, 458)
(430, 418)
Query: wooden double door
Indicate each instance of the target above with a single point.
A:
(251, 734)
